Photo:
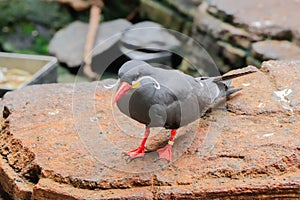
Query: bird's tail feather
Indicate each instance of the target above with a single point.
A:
(234, 75)
(224, 81)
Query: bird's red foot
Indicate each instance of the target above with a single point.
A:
(165, 153)
(136, 153)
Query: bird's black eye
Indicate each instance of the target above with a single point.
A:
(135, 78)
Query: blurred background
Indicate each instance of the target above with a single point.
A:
(235, 33)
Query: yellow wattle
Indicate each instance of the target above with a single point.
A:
(137, 84)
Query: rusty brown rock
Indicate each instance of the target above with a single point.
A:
(249, 103)
(285, 78)
(65, 141)
(49, 189)
(12, 183)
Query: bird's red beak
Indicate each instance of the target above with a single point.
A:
(123, 88)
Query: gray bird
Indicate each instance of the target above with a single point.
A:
(166, 98)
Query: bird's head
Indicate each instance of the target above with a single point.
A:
(130, 75)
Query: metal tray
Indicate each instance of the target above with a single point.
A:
(43, 68)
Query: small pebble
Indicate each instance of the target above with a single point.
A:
(292, 119)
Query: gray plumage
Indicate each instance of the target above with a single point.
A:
(180, 100)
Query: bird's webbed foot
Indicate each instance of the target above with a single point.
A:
(136, 153)
(165, 152)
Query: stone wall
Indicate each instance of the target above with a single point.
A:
(173, 14)
(237, 33)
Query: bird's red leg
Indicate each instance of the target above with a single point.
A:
(140, 150)
(166, 152)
